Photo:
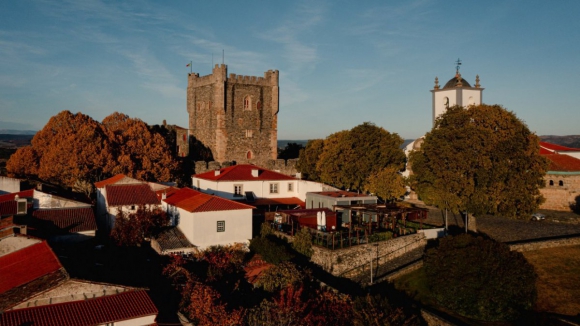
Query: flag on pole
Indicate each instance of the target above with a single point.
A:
(187, 65)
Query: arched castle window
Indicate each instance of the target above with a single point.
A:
(551, 182)
(259, 105)
(247, 102)
(561, 183)
(249, 155)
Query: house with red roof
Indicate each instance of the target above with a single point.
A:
(207, 220)
(257, 186)
(51, 214)
(122, 193)
(35, 289)
(562, 181)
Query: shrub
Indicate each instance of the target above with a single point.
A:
(480, 278)
(271, 249)
(303, 242)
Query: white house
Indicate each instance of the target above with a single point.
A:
(251, 182)
(121, 193)
(208, 220)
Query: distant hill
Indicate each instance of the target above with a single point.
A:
(568, 141)
(282, 142)
(17, 132)
(14, 141)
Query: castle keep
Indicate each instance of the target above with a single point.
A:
(233, 118)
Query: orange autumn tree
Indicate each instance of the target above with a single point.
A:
(140, 153)
(73, 150)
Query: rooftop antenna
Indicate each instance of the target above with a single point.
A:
(458, 65)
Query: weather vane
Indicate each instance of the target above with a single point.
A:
(458, 62)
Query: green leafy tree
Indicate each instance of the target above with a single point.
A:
(292, 150)
(481, 159)
(271, 249)
(303, 242)
(480, 278)
(349, 157)
(308, 158)
(387, 183)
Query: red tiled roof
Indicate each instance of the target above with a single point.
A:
(110, 181)
(21, 194)
(69, 219)
(168, 192)
(26, 265)
(563, 163)
(243, 172)
(130, 194)
(97, 311)
(553, 147)
(279, 201)
(195, 201)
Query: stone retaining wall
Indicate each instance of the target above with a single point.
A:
(543, 244)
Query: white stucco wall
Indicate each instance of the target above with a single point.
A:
(201, 228)
(261, 189)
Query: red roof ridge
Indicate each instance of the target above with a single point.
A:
(556, 147)
(196, 201)
(243, 172)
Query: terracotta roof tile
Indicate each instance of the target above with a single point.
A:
(110, 181)
(97, 311)
(69, 220)
(563, 163)
(553, 147)
(279, 201)
(21, 194)
(130, 194)
(243, 172)
(26, 265)
(195, 201)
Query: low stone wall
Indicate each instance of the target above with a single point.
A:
(346, 261)
(543, 244)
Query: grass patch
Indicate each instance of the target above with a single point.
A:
(416, 286)
(558, 282)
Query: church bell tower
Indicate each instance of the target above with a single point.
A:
(457, 91)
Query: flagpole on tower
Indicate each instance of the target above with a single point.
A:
(190, 67)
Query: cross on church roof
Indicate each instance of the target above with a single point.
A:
(458, 63)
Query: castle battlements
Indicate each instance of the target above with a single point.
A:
(219, 73)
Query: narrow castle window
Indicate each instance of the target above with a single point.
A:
(249, 133)
(259, 105)
(551, 182)
(561, 183)
(249, 155)
(247, 104)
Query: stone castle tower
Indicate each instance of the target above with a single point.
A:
(234, 118)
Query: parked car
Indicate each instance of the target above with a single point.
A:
(538, 217)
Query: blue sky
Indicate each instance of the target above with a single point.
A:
(341, 63)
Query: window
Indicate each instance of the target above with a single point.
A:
(221, 226)
(290, 187)
(273, 188)
(561, 183)
(249, 133)
(21, 209)
(249, 155)
(132, 207)
(238, 190)
(551, 182)
(247, 103)
(184, 137)
(259, 105)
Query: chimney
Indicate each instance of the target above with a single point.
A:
(255, 173)
(164, 195)
(217, 172)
